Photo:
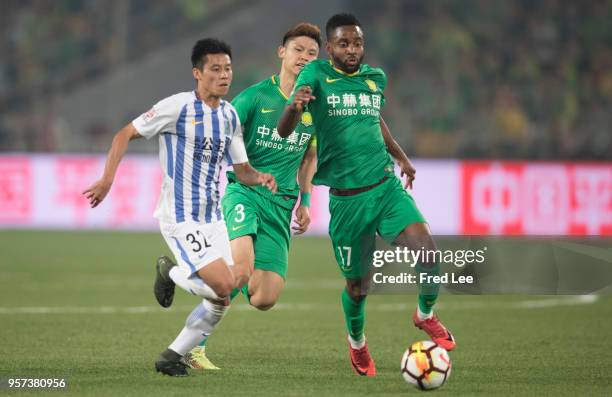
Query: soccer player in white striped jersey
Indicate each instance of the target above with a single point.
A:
(196, 130)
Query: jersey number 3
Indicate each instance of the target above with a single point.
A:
(239, 208)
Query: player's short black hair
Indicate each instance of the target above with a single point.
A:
(208, 46)
(338, 20)
(303, 29)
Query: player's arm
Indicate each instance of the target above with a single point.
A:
(293, 112)
(98, 191)
(250, 176)
(161, 117)
(308, 167)
(305, 174)
(398, 154)
(243, 169)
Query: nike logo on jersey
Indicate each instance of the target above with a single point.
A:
(196, 122)
(264, 110)
(234, 228)
(328, 80)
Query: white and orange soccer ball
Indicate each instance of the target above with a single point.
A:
(426, 365)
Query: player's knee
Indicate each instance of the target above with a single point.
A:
(356, 290)
(428, 264)
(242, 275)
(224, 291)
(224, 288)
(263, 303)
(416, 236)
(264, 307)
(357, 296)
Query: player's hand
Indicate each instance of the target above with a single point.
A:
(302, 97)
(97, 192)
(302, 219)
(268, 181)
(409, 171)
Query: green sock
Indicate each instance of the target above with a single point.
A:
(234, 293)
(354, 315)
(428, 292)
(427, 302)
(245, 292)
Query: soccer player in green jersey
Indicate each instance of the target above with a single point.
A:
(345, 97)
(258, 221)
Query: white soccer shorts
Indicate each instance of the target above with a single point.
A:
(196, 245)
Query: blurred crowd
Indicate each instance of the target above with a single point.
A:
(496, 79)
(54, 44)
(468, 79)
(49, 48)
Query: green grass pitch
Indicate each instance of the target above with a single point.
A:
(80, 305)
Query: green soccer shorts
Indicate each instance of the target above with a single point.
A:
(247, 212)
(355, 220)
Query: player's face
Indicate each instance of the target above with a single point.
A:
(297, 52)
(216, 74)
(345, 48)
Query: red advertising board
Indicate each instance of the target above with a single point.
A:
(15, 190)
(474, 198)
(530, 198)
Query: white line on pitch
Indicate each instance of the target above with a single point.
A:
(386, 307)
(560, 301)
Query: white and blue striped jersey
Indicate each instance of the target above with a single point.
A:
(193, 141)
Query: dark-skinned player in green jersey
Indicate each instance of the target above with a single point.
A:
(354, 149)
(258, 221)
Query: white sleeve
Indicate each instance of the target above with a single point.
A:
(237, 151)
(160, 118)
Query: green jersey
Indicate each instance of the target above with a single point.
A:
(259, 108)
(351, 151)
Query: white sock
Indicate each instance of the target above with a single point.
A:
(357, 344)
(194, 285)
(200, 323)
(424, 316)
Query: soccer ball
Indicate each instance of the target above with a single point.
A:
(426, 365)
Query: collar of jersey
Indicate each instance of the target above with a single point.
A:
(344, 73)
(277, 84)
(195, 96)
